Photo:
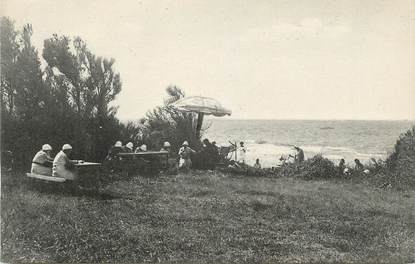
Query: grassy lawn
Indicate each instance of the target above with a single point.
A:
(208, 217)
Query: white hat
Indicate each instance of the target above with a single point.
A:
(46, 147)
(130, 145)
(143, 147)
(66, 147)
(366, 171)
(118, 144)
(185, 143)
(166, 144)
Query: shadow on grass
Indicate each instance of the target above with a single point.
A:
(72, 190)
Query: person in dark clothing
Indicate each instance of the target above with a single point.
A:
(342, 166)
(207, 155)
(299, 157)
(112, 160)
(358, 165)
(215, 152)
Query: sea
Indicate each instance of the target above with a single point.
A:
(268, 140)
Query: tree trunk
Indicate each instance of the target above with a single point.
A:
(199, 124)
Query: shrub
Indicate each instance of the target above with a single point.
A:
(165, 123)
(401, 163)
(317, 167)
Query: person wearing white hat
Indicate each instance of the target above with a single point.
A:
(142, 148)
(184, 152)
(64, 167)
(129, 147)
(118, 144)
(112, 160)
(42, 162)
(166, 146)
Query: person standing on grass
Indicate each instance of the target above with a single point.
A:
(184, 153)
(42, 162)
(241, 153)
(257, 165)
(64, 167)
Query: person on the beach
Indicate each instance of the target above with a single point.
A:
(184, 153)
(342, 166)
(241, 153)
(63, 166)
(358, 165)
(42, 162)
(257, 165)
(299, 157)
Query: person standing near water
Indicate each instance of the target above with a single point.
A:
(299, 157)
(241, 153)
(342, 166)
(358, 165)
(257, 165)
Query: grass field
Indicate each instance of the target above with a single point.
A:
(208, 217)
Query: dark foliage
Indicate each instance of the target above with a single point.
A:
(164, 123)
(67, 102)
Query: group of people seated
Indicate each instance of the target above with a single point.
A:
(60, 166)
(184, 159)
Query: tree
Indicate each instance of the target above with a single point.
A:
(166, 123)
(9, 53)
(24, 95)
(87, 83)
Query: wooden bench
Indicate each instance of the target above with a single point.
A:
(45, 177)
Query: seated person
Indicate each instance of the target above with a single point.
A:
(358, 165)
(112, 160)
(129, 147)
(184, 153)
(142, 148)
(171, 165)
(42, 162)
(117, 148)
(64, 167)
(166, 147)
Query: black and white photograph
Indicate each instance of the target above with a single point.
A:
(219, 131)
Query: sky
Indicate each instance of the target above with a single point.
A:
(274, 59)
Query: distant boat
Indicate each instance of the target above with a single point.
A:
(325, 128)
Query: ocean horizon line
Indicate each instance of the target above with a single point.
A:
(285, 119)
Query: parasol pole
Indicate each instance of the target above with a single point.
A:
(199, 124)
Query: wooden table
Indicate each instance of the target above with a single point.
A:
(87, 164)
(90, 170)
(144, 153)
